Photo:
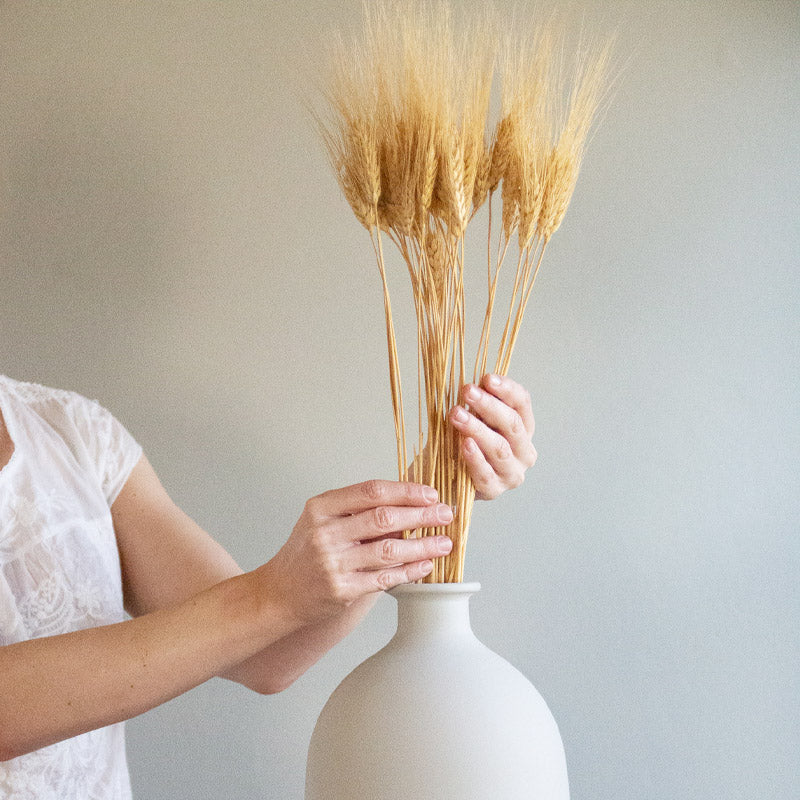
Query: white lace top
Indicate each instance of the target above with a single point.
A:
(59, 565)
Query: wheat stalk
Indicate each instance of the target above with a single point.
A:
(407, 132)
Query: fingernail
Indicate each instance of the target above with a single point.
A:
(426, 567)
(430, 494)
(444, 544)
(460, 415)
(472, 393)
(494, 381)
(444, 514)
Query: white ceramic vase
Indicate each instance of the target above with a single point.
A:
(436, 715)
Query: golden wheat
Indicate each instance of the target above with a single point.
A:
(407, 132)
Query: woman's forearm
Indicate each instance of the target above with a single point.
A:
(57, 687)
(278, 665)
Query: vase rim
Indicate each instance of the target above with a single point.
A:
(435, 588)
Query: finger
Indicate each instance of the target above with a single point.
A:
(513, 395)
(388, 553)
(484, 478)
(368, 495)
(393, 520)
(502, 418)
(385, 579)
(495, 448)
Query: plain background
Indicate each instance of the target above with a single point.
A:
(172, 243)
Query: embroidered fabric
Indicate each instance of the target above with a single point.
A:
(59, 565)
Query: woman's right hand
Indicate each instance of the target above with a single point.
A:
(348, 544)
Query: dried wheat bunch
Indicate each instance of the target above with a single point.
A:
(406, 127)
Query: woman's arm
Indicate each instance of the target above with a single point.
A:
(59, 686)
(56, 687)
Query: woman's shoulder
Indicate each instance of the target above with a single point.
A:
(71, 415)
(40, 397)
(92, 434)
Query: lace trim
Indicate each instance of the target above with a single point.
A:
(75, 769)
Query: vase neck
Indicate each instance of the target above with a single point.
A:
(434, 609)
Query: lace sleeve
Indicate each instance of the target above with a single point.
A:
(111, 448)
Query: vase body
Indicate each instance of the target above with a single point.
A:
(436, 715)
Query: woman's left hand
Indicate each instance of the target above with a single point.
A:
(496, 426)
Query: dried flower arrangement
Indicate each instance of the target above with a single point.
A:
(406, 130)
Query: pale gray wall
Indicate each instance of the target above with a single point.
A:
(171, 243)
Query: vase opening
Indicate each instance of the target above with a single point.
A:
(433, 609)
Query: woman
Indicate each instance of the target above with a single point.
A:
(88, 533)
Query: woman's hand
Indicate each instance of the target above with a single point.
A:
(496, 426)
(348, 544)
